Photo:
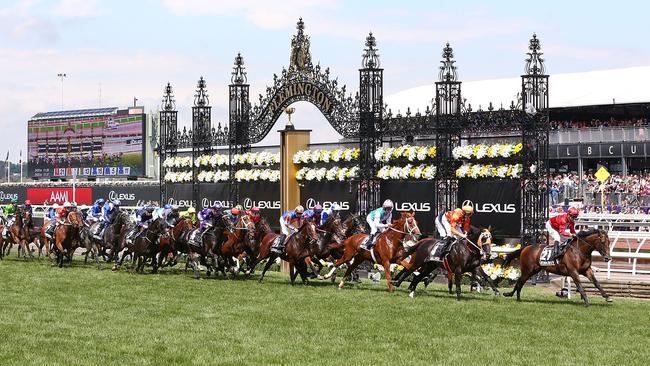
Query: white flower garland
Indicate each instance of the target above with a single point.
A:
(481, 151)
(422, 171)
(325, 156)
(496, 271)
(412, 153)
(323, 174)
(489, 171)
(258, 158)
(256, 175)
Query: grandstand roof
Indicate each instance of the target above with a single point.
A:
(628, 85)
(97, 112)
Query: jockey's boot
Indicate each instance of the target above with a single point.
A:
(556, 251)
(278, 245)
(447, 246)
(100, 234)
(370, 242)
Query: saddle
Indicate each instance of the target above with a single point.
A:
(437, 252)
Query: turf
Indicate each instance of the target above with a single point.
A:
(83, 316)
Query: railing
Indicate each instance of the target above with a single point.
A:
(599, 134)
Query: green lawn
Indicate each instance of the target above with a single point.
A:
(82, 316)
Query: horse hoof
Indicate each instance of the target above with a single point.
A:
(320, 277)
(609, 299)
(412, 294)
(507, 294)
(497, 294)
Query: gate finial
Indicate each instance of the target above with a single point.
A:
(370, 57)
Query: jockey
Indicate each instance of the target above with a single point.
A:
(108, 213)
(206, 220)
(51, 213)
(144, 216)
(163, 213)
(10, 212)
(233, 214)
(288, 226)
(560, 226)
(333, 210)
(379, 220)
(59, 218)
(28, 211)
(190, 213)
(454, 224)
(315, 215)
(254, 214)
(96, 210)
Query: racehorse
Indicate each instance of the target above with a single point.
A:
(576, 261)
(464, 256)
(66, 235)
(205, 251)
(19, 234)
(146, 246)
(330, 235)
(300, 245)
(388, 249)
(114, 235)
(238, 241)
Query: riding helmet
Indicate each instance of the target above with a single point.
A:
(216, 206)
(116, 202)
(318, 208)
(28, 202)
(66, 204)
(573, 211)
(255, 209)
(167, 206)
(191, 210)
(239, 207)
(299, 209)
(235, 211)
(388, 204)
(468, 207)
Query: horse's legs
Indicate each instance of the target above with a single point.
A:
(193, 265)
(480, 272)
(450, 282)
(357, 260)
(272, 257)
(386, 264)
(424, 271)
(590, 275)
(526, 273)
(576, 278)
(458, 276)
(292, 273)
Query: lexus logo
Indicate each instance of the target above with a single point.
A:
(8, 196)
(413, 206)
(112, 195)
(181, 203)
(507, 208)
(310, 203)
(208, 203)
(268, 205)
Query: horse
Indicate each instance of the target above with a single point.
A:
(388, 249)
(464, 256)
(300, 245)
(145, 245)
(264, 238)
(205, 251)
(576, 261)
(239, 241)
(19, 233)
(330, 235)
(113, 237)
(66, 235)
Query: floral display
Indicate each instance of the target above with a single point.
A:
(257, 158)
(324, 174)
(255, 175)
(422, 171)
(409, 152)
(325, 156)
(481, 151)
(489, 171)
(495, 271)
(178, 177)
(213, 176)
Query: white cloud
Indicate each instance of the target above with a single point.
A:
(21, 21)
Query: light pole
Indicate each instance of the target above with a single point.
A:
(61, 76)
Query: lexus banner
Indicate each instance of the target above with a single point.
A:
(9, 193)
(497, 203)
(128, 195)
(179, 194)
(328, 193)
(265, 195)
(417, 197)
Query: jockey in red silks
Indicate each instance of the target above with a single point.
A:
(562, 225)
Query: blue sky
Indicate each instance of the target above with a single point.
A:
(132, 48)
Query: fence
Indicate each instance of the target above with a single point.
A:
(599, 134)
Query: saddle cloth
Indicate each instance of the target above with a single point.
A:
(436, 252)
(546, 255)
(193, 239)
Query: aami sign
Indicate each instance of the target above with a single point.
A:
(59, 195)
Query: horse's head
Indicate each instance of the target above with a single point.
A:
(485, 241)
(334, 226)
(75, 219)
(408, 225)
(308, 232)
(245, 223)
(601, 244)
(263, 226)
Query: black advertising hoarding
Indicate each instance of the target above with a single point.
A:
(265, 195)
(211, 193)
(631, 149)
(497, 203)
(128, 195)
(8, 193)
(328, 193)
(412, 196)
(179, 194)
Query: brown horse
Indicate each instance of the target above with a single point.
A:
(145, 246)
(19, 233)
(330, 236)
(240, 240)
(66, 235)
(464, 256)
(576, 261)
(389, 247)
(300, 245)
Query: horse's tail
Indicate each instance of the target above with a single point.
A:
(410, 250)
(510, 257)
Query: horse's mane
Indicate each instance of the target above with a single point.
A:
(585, 233)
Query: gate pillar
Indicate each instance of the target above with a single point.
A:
(291, 141)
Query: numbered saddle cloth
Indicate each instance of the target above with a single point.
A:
(195, 238)
(435, 255)
(546, 255)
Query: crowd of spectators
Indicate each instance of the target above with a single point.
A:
(622, 194)
(595, 123)
(67, 161)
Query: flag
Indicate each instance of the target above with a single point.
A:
(20, 161)
(7, 158)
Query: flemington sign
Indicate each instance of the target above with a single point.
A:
(302, 89)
